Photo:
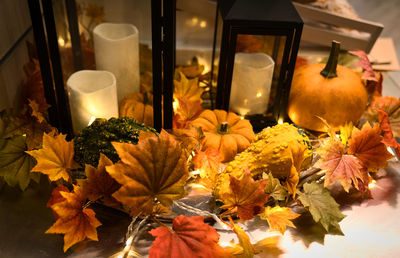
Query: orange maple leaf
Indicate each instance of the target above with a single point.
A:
(187, 112)
(155, 170)
(187, 90)
(367, 146)
(339, 166)
(246, 196)
(387, 133)
(208, 163)
(56, 158)
(56, 197)
(99, 184)
(189, 237)
(75, 222)
(279, 217)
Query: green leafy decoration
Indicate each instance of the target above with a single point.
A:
(322, 206)
(15, 164)
(274, 188)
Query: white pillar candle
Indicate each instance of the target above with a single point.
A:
(92, 94)
(251, 83)
(116, 48)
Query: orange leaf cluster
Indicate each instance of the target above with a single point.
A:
(155, 170)
(190, 237)
(245, 196)
(55, 159)
(75, 222)
(99, 184)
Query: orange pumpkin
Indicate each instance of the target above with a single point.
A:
(138, 106)
(226, 132)
(336, 94)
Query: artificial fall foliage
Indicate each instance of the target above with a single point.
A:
(245, 196)
(56, 197)
(15, 163)
(386, 131)
(321, 205)
(279, 217)
(189, 237)
(274, 188)
(99, 184)
(367, 146)
(154, 170)
(186, 112)
(208, 163)
(55, 159)
(75, 221)
(187, 90)
(340, 166)
(389, 105)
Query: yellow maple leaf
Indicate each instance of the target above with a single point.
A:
(187, 90)
(155, 170)
(244, 241)
(346, 131)
(75, 222)
(279, 217)
(55, 159)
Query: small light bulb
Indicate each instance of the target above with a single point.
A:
(195, 20)
(372, 184)
(259, 94)
(280, 121)
(203, 24)
(61, 42)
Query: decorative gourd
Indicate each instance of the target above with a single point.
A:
(226, 132)
(276, 150)
(138, 106)
(336, 94)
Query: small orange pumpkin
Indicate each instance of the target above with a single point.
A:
(138, 106)
(226, 132)
(336, 94)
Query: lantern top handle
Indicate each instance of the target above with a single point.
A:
(259, 10)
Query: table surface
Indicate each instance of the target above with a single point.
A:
(371, 227)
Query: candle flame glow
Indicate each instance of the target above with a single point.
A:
(92, 120)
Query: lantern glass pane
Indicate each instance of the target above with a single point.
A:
(115, 36)
(256, 73)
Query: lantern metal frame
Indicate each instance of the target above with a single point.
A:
(258, 17)
(163, 19)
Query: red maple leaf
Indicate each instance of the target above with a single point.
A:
(365, 64)
(189, 237)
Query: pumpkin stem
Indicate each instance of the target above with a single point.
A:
(223, 128)
(330, 69)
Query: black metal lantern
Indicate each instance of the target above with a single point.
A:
(259, 45)
(63, 49)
